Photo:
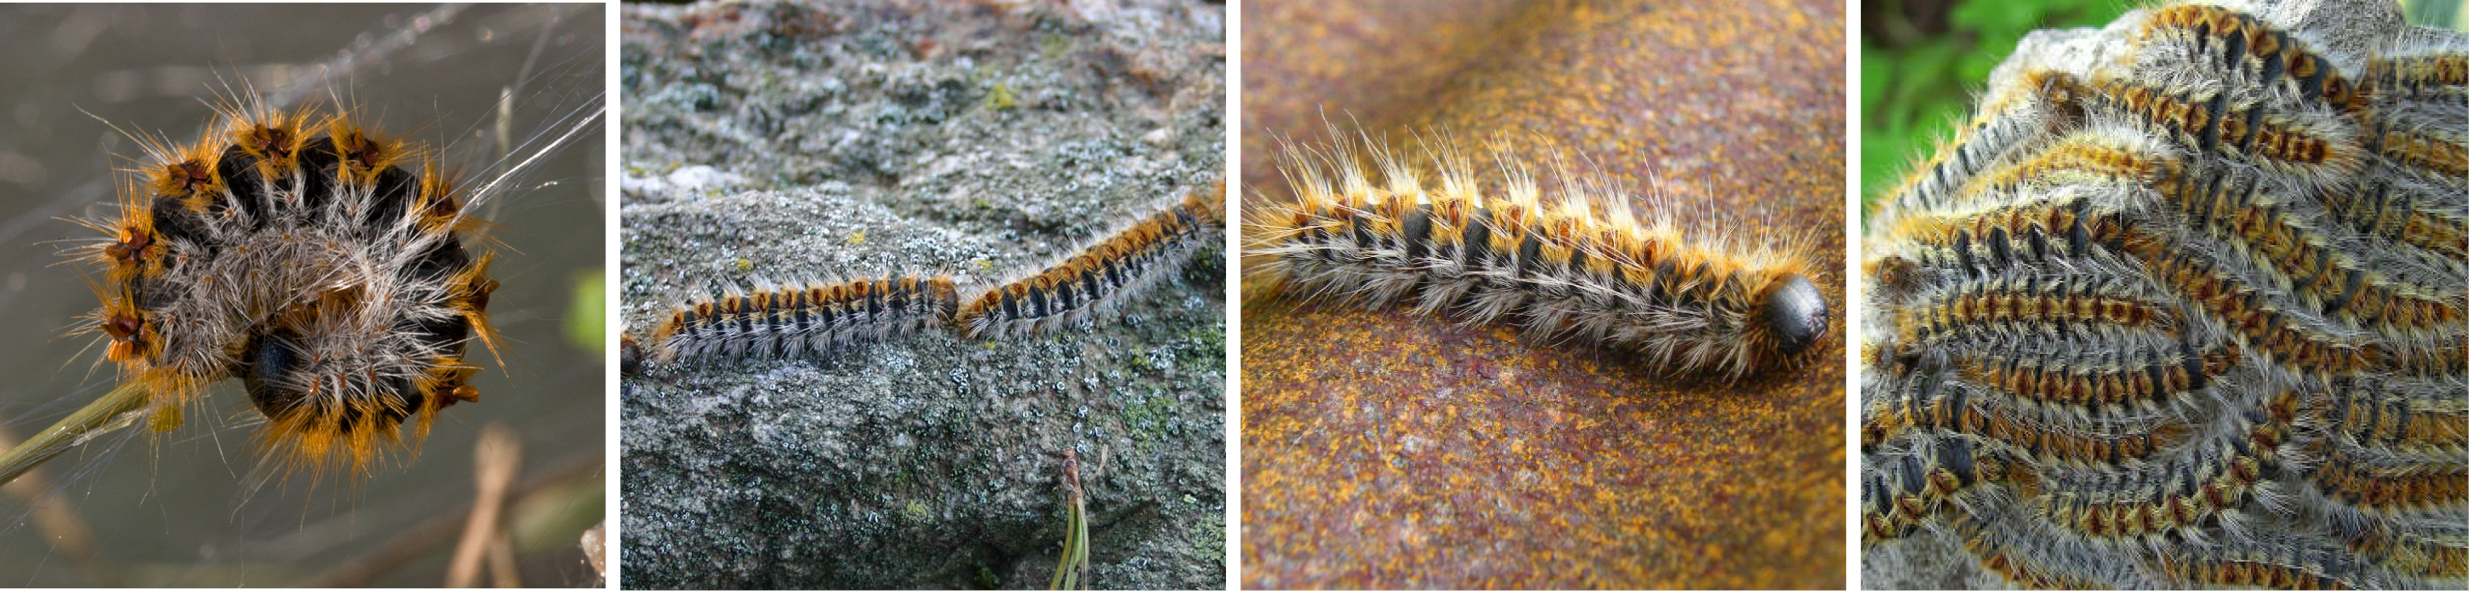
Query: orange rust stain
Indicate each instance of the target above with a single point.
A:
(1388, 449)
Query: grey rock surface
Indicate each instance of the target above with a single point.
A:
(855, 139)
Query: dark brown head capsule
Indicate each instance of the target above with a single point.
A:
(629, 355)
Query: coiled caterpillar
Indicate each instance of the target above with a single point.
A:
(454, 84)
(300, 253)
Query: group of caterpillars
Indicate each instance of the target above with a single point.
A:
(817, 318)
(302, 253)
(1364, 228)
(2185, 305)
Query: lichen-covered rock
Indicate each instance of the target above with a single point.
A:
(774, 139)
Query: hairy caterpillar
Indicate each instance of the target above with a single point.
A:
(818, 318)
(1102, 276)
(2270, 59)
(1895, 503)
(2212, 307)
(295, 251)
(1583, 266)
(504, 100)
(794, 318)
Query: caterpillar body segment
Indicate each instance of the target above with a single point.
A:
(2261, 56)
(2310, 146)
(2293, 241)
(2016, 112)
(1946, 471)
(2421, 72)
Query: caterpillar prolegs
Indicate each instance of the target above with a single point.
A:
(1583, 266)
(817, 318)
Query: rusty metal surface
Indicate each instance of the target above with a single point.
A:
(1389, 449)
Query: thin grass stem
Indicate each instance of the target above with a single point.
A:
(113, 411)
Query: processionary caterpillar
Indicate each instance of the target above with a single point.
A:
(2207, 308)
(816, 318)
(1104, 275)
(321, 263)
(1583, 266)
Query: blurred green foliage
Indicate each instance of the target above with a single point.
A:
(2436, 13)
(586, 324)
(1922, 62)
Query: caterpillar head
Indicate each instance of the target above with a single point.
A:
(629, 355)
(1795, 315)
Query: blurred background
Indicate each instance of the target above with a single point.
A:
(1922, 61)
(490, 84)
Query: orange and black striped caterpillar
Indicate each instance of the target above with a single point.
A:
(1103, 276)
(323, 264)
(2187, 306)
(1583, 266)
(817, 318)
(801, 318)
